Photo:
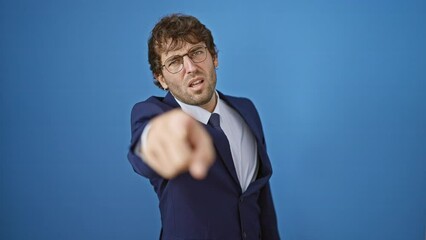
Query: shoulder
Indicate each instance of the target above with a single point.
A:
(238, 101)
(241, 104)
(153, 102)
(149, 108)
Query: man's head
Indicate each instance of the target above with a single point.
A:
(183, 58)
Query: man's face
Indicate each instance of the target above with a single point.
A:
(195, 84)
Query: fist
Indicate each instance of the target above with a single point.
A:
(177, 143)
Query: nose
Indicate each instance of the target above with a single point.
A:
(189, 65)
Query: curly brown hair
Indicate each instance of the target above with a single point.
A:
(178, 29)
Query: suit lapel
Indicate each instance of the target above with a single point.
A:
(171, 101)
(246, 114)
(251, 120)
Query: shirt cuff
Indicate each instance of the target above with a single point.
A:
(142, 144)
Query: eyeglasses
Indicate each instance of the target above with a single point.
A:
(174, 64)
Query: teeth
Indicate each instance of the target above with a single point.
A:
(195, 83)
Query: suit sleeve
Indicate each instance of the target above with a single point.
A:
(142, 113)
(268, 218)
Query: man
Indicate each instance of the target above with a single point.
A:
(204, 152)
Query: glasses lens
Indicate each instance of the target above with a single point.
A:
(174, 65)
(198, 54)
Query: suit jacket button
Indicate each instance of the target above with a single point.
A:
(244, 235)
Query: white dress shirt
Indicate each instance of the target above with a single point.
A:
(242, 142)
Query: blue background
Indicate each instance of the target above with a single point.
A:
(340, 86)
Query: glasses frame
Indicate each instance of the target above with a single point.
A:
(181, 57)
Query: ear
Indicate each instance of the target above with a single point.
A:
(162, 81)
(216, 62)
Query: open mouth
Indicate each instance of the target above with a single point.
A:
(196, 83)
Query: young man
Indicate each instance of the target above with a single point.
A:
(204, 152)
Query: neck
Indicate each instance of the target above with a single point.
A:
(210, 106)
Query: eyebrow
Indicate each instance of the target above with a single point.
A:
(180, 55)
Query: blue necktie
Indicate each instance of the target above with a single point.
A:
(215, 121)
(222, 144)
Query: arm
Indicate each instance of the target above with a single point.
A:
(268, 218)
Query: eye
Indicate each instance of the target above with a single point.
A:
(173, 62)
(197, 52)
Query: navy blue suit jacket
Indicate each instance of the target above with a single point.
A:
(213, 208)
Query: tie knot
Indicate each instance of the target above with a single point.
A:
(215, 120)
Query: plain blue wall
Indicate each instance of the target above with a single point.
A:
(340, 86)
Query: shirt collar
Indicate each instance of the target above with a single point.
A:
(199, 113)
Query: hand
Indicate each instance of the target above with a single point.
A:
(177, 143)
